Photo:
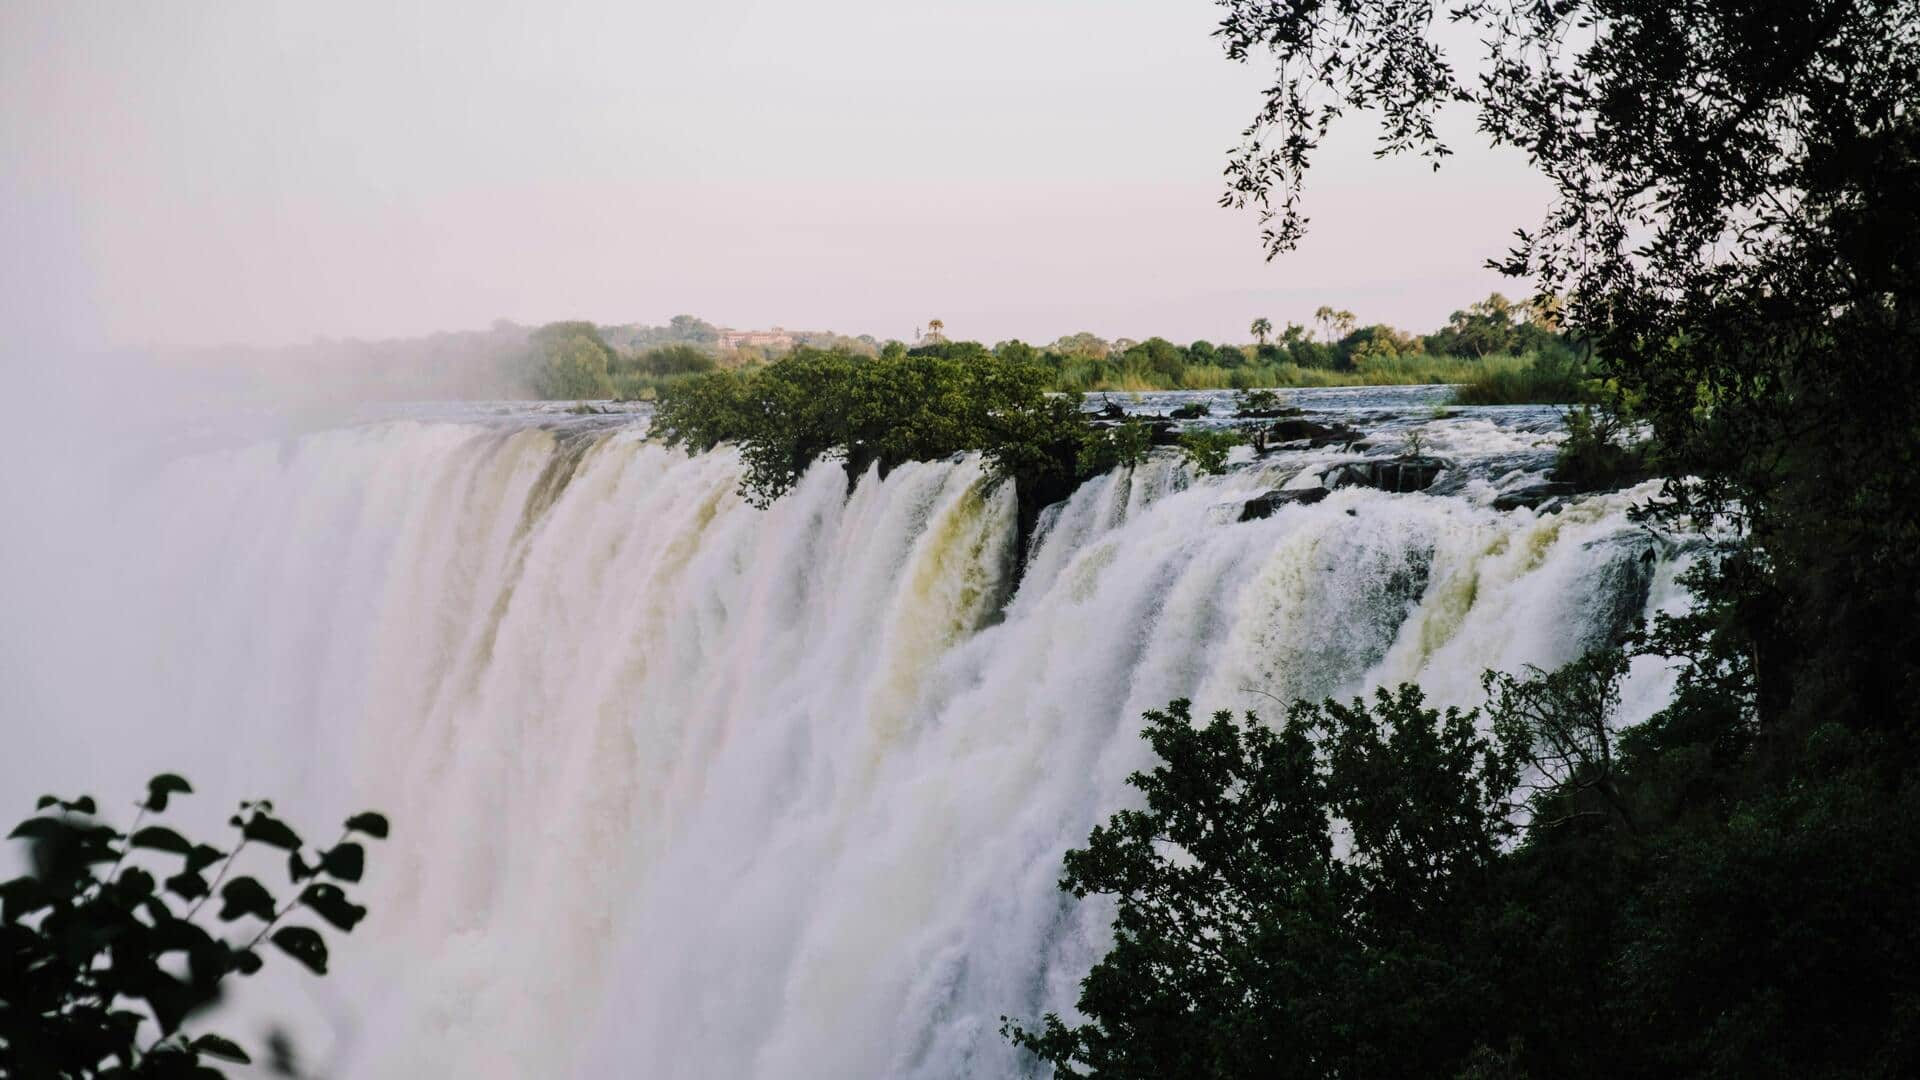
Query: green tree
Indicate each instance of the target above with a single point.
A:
(1735, 227)
(1261, 327)
(1334, 324)
(1083, 346)
(1732, 887)
(1246, 944)
(571, 362)
(690, 329)
(676, 360)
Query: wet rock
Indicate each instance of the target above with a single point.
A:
(1546, 494)
(1619, 572)
(1316, 434)
(1110, 411)
(1192, 411)
(1262, 506)
(1273, 413)
(1397, 475)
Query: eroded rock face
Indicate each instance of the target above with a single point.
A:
(1547, 494)
(1398, 475)
(1266, 505)
(1295, 429)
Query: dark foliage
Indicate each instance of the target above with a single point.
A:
(1732, 888)
(1245, 946)
(1735, 229)
(1343, 895)
(100, 969)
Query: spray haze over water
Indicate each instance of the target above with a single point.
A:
(688, 789)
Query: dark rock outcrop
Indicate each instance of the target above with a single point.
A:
(1308, 431)
(1547, 494)
(1262, 506)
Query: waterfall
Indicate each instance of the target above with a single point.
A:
(684, 788)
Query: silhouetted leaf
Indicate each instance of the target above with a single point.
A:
(178, 935)
(374, 825)
(134, 883)
(245, 896)
(82, 805)
(169, 998)
(46, 801)
(216, 1047)
(271, 831)
(203, 856)
(303, 945)
(297, 868)
(41, 828)
(161, 787)
(187, 885)
(332, 905)
(20, 897)
(344, 861)
(246, 961)
(161, 838)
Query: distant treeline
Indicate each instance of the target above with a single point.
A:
(1500, 350)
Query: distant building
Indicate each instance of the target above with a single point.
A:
(776, 338)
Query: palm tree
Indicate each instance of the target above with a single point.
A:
(934, 328)
(1261, 327)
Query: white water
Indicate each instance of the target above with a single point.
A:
(687, 789)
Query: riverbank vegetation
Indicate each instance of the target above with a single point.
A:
(897, 407)
(1501, 352)
(1731, 888)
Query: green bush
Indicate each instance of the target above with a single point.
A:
(1597, 455)
(898, 407)
(1207, 449)
(1525, 380)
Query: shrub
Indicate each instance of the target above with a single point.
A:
(1597, 455)
(922, 406)
(1530, 380)
(1207, 449)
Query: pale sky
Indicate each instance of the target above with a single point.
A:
(267, 172)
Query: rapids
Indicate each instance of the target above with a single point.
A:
(682, 788)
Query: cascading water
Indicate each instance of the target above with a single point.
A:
(682, 788)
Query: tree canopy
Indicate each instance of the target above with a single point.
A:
(1736, 230)
(1732, 887)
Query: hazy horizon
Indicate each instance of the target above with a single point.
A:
(264, 174)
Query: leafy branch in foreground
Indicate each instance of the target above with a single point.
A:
(100, 969)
